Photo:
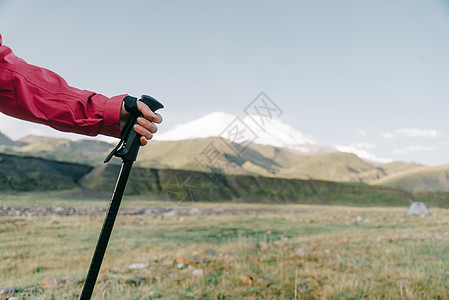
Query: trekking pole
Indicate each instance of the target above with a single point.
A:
(127, 150)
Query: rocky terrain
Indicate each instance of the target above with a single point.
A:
(37, 211)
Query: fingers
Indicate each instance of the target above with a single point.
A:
(143, 141)
(144, 132)
(147, 113)
(146, 126)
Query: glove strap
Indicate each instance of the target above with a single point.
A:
(131, 105)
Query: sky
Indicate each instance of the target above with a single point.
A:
(367, 76)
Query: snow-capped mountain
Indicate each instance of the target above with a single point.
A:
(209, 125)
(264, 131)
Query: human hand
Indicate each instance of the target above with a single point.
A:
(147, 125)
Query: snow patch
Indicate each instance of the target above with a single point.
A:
(268, 131)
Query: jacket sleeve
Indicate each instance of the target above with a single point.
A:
(38, 95)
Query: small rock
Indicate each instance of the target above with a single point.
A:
(136, 266)
(264, 246)
(13, 298)
(170, 213)
(59, 210)
(300, 252)
(137, 281)
(327, 251)
(153, 294)
(53, 282)
(180, 265)
(194, 211)
(359, 219)
(190, 294)
(198, 272)
(403, 282)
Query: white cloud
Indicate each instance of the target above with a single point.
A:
(416, 132)
(412, 132)
(413, 149)
(387, 135)
(363, 153)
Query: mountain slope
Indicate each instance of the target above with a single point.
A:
(198, 155)
(184, 188)
(262, 160)
(29, 173)
(419, 179)
(81, 151)
(5, 141)
(19, 173)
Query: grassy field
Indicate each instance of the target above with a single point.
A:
(318, 252)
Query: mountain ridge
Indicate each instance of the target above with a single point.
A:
(254, 160)
(184, 188)
(419, 179)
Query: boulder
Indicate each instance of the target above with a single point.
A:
(418, 209)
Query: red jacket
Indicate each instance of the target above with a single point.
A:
(38, 95)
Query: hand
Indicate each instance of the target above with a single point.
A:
(147, 125)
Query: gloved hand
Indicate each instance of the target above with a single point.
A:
(147, 125)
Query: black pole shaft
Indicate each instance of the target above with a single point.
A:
(105, 233)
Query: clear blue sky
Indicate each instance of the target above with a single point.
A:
(367, 74)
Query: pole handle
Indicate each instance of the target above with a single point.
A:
(129, 144)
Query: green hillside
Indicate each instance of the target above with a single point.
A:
(29, 174)
(189, 186)
(419, 179)
(432, 199)
(19, 173)
(256, 160)
(193, 155)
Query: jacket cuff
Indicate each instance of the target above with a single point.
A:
(111, 117)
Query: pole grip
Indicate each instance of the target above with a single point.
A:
(129, 144)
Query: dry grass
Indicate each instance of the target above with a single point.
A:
(323, 253)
